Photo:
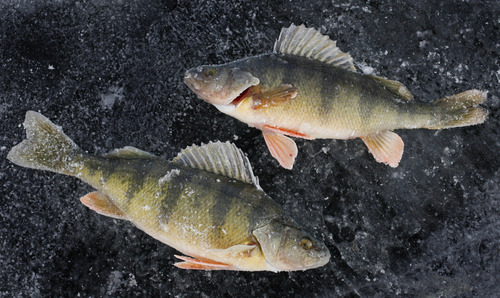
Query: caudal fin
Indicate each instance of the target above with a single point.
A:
(461, 109)
(46, 147)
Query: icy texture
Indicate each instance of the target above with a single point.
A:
(110, 73)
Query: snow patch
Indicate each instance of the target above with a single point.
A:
(170, 174)
(109, 97)
(366, 69)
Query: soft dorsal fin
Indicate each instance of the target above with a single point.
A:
(220, 158)
(129, 152)
(394, 86)
(308, 42)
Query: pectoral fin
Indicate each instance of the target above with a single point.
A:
(102, 204)
(386, 146)
(195, 264)
(281, 147)
(273, 97)
(239, 250)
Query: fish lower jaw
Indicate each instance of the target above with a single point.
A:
(226, 109)
(272, 268)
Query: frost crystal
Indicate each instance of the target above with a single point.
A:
(170, 174)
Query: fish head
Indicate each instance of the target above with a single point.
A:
(219, 85)
(289, 248)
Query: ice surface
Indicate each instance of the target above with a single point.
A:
(430, 226)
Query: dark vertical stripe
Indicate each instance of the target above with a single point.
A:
(224, 194)
(259, 208)
(102, 167)
(171, 197)
(137, 172)
(330, 90)
(370, 97)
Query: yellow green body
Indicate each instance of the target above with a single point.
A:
(331, 102)
(206, 203)
(308, 88)
(194, 211)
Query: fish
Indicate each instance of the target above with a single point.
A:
(206, 203)
(308, 88)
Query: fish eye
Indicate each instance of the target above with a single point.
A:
(210, 72)
(306, 243)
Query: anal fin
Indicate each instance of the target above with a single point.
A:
(195, 264)
(273, 97)
(386, 146)
(281, 147)
(102, 204)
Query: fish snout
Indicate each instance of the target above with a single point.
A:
(191, 81)
(320, 258)
(187, 75)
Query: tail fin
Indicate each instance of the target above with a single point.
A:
(461, 109)
(46, 147)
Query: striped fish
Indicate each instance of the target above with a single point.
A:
(307, 88)
(206, 203)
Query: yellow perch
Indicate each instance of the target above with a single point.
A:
(206, 203)
(308, 88)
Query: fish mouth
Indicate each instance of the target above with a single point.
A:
(217, 97)
(191, 82)
(320, 260)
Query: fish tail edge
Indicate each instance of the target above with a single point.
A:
(461, 109)
(46, 147)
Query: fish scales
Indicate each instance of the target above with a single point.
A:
(308, 88)
(188, 202)
(187, 205)
(206, 203)
(199, 205)
(328, 93)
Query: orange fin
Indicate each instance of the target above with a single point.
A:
(281, 147)
(386, 146)
(288, 132)
(195, 264)
(102, 204)
(273, 97)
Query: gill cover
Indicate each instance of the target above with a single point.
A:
(288, 248)
(219, 85)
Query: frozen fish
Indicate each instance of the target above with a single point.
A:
(206, 203)
(308, 88)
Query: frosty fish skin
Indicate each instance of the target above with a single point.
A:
(206, 203)
(308, 88)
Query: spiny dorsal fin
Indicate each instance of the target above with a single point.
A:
(308, 42)
(219, 158)
(394, 86)
(129, 152)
